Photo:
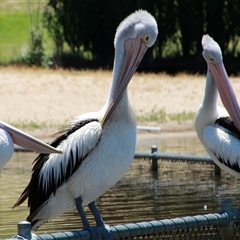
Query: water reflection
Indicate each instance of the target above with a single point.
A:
(180, 143)
(176, 189)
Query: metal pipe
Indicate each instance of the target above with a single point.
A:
(145, 228)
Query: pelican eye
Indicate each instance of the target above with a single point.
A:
(145, 38)
(211, 59)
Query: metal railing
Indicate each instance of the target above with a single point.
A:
(155, 156)
(224, 225)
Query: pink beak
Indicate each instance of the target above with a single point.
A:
(27, 141)
(135, 50)
(226, 92)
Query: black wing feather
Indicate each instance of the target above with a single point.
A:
(36, 195)
(228, 124)
(227, 163)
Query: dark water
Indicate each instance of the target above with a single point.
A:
(176, 189)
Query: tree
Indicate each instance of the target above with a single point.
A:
(89, 26)
(191, 22)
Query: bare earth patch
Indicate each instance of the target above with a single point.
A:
(56, 97)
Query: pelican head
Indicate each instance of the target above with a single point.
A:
(139, 24)
(211, 50)
(133, 37)
(213, 56)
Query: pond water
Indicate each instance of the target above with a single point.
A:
(175, 190)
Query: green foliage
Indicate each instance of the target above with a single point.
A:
(34, 54)
(55, 30)
(33, 125)
(29, 125)
(222, 22)
(190, 19)
(159, 116)
(182, 117)
(87, 28)
(14, 26)
(16, 22)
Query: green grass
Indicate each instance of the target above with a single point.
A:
(161, 116)
(34, 125)
(15, 28)
(182, 117)
(13, 25)
(154, 116)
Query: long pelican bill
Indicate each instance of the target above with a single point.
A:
(27, 141)
(226, 92)
(135, 50)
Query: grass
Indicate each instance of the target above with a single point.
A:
(161, 116)
(182, 117)
(34, 125)
(13, 25)
(154, 116)
(167, 100)
(15, 28)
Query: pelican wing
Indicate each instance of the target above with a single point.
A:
(49, 171)
(222, 144)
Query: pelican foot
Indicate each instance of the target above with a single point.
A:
(107, 232)
(17, 237)
(98, 233)
(101, 230)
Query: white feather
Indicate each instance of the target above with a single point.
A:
(6, 147)
(105, 148)
(221, 144)
(84, 139)
(111, 162)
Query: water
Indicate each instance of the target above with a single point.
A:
(175, 190)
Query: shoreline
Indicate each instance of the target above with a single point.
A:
(167, 130)
(55, 97)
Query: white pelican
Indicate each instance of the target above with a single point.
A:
(217, 127)
(10, 135)
(98, 147)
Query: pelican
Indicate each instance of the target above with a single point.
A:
(10, 135)
(98, 147)
(217, 127)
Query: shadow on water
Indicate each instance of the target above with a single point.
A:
(176, 189)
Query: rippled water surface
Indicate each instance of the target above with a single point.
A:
(176, 189)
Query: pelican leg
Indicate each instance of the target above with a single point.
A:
(96, 214)
(101, 229)
(104, 229)
(78, 203)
